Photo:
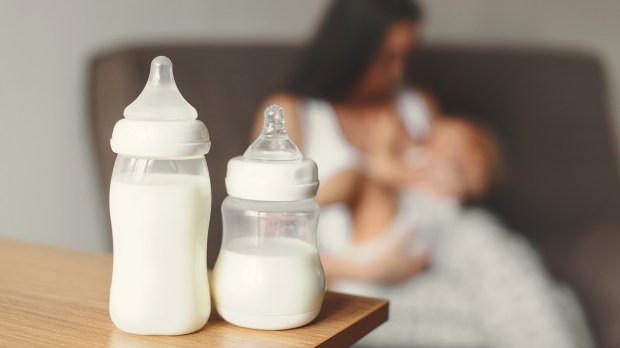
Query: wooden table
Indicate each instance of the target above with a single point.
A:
(55, 297)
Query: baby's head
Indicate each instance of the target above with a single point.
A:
(468, 153)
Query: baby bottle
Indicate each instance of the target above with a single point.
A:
(160, 204)
(268, 274)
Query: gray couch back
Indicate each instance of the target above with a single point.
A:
(548, 109)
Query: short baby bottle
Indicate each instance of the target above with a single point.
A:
(160, 204)
(268, 274)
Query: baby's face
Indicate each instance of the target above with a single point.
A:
(456, 165)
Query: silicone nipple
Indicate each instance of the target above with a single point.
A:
(273, 144)
(160, 99)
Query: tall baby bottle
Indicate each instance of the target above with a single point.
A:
(268, 274)
(160, 204)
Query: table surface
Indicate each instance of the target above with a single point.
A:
(57, 297)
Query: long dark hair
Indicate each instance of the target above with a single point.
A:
(345, 44)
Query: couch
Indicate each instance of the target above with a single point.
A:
(549, 110)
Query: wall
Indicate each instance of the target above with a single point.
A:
(48, 189)
(590, 26)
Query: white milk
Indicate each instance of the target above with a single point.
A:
(160, 225)
(254, 283)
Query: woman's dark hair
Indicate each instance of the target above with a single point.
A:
(345, 45)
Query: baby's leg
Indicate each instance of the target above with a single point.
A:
(373, 209)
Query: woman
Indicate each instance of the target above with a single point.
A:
(485, 287)
(329, 82)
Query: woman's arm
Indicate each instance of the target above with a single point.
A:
(341, 188)
(393, 265)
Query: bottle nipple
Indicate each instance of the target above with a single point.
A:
(160, 100)
(273, 144)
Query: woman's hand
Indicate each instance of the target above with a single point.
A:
(391, 261)
(395, 267)
(394, 263)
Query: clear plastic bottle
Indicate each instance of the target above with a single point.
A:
(160, 204)
(268, 274)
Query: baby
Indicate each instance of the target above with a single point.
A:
(485, 283)
(414, 186)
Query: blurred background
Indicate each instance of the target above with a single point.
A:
(53, 191)
(50, 187)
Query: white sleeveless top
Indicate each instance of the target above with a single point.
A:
(324, 143)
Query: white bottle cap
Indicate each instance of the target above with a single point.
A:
(272, 168)
(160, 123)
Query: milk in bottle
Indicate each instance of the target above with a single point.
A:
(160, 203)
(268, 274)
